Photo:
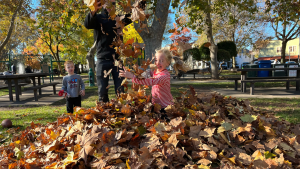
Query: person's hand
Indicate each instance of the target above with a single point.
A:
(97, 6)
(126, 74)
(82, 92)
(66, 95)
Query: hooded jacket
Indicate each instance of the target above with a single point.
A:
(104, 33)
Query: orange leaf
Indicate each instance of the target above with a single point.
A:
(13, 165)
(128, 52)
(207, 44)
(130, 41)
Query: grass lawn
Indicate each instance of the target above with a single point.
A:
(5, 91)
(287, 109)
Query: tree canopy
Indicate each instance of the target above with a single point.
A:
(228, 46)
(200, 15)
(284, 19)
(14, 19)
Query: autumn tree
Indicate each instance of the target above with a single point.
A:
(284, 19)
(241, 27)
(58, 26)
(200, 19)
(14, 17)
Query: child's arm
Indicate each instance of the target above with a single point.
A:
(151, 81)
(82, 91)
(64, 85)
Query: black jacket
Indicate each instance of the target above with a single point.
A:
(104, 33)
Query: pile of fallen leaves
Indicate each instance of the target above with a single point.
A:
(205, 131)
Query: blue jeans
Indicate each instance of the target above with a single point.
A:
(102, 82)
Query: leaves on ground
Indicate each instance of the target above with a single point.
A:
(210, 131)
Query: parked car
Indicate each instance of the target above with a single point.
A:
(245, 63)
(289, 62)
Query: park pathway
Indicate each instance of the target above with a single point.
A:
(48, 97)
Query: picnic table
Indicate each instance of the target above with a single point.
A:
(244, 79)
(36, 85)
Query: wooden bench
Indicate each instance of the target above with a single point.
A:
(19, 84)
(35, 88)
(235, 81)
(194, 72)
(287, 80)
(280, 78)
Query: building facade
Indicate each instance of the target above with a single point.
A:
(273, 49)
(244, 56)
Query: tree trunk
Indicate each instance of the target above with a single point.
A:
(233, 62)
(152, 35)
(90, 57)
(151, 44)
(11, 27)
(213, 47)
(214, 63)
(284, 42)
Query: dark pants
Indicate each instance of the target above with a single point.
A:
(73, 102)
(103, 82)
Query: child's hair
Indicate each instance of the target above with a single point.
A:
(68, 62)
(166, 52)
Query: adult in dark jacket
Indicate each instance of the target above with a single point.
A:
(104, 35)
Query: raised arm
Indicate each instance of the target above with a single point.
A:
(90, 21)
(151, 81)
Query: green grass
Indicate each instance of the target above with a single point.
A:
(230, 73)
(6, 92)
(286, 108)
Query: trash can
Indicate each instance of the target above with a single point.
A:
(251, 73)
(276, 73)
(292, 73)
(264, 64)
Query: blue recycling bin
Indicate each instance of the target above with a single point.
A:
(264, 64)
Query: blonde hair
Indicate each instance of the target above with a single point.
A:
(68, 62)
(166, 52)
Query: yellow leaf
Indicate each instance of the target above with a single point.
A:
(203, 167)
(98, 155)
(192, 112)
(17, 142)
(32, 146)
(288, 163)
(221, 129)
(54, 135)
(259, 156)
(77, 148)
(69, 159)
(127, 165)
